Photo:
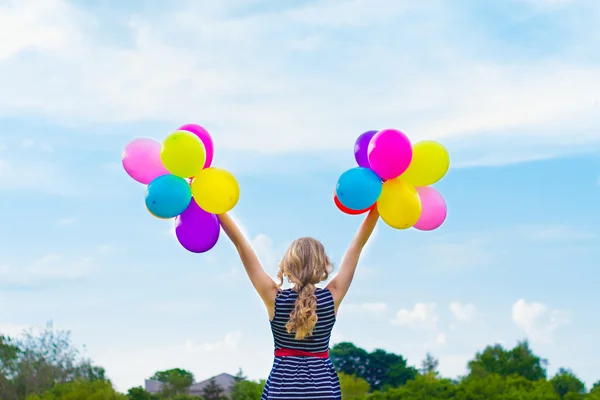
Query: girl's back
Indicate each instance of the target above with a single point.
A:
(302, 377)
(302, 317)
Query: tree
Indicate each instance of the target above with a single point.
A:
(496, 387)
(565, 382)
(426, 386)
(518, 361)
(139, 393)
(429, 365)
(353, 387)
(247, 390)
(80, 389)
(239, 376)
(174, 381)
(213, 391)
(379, 368)
(9, 354)
(37, 361)
(595, 387)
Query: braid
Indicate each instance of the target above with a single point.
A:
(304, 265)
(304, 316)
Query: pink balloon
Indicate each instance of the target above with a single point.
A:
(434, 209)
(141, 160)
(390, 153)
(206, 140)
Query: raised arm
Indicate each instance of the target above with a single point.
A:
(341, 283)
(262, 282)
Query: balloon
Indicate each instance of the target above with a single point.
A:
(358, 188)
(346, 209)
(215, 190)
(196, 230)
(206, 140)
(429, 164)
(154, 215)
(168, 196)
(434, 209)
(399, 204)
(390, 153)
(183, 154)
(141, 160)
(361, 149)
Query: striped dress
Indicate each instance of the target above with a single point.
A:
(301, 377)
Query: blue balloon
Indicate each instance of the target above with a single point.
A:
(358, 188)
(168, 196)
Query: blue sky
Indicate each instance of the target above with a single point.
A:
(510, 87)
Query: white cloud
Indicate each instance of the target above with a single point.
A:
(12, 330)
(464, 313)
(41, 25)
(229, 342)
(25, 173)
(261, 243)
(367, 249)
(537, 321)
(66, 221)
(476, 103)
(440, 339)
(545, 233)
(422, 316)
(454, 365)
(51, 267)
(128, 366)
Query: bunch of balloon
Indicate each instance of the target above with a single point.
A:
(183, 185)
(395, 176)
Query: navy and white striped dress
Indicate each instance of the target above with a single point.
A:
(303, 377)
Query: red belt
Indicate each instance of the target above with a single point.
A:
(300, 353)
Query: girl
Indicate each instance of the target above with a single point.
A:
(302, 317)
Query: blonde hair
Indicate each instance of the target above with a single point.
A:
(304, 264)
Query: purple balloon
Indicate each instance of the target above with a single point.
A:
(361, 148)
(197, 230)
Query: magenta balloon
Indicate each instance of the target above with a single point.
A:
(206, 140)
(141, 160)
(434, 209)
(361, 149)
(390, 153)
(197, 230)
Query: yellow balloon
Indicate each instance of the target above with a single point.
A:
(183, 154)
(399, 204)
(429, 164)
(215, 190)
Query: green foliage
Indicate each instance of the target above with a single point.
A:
(567, 385)
(139, 393)
(379, 368)
(353, 387)
(36, 362)
(518, 361)
(213, 391)
(80, 390)
(247, 390)
(45, 366)
(429, 365)
(497, 387)
(174, 381)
